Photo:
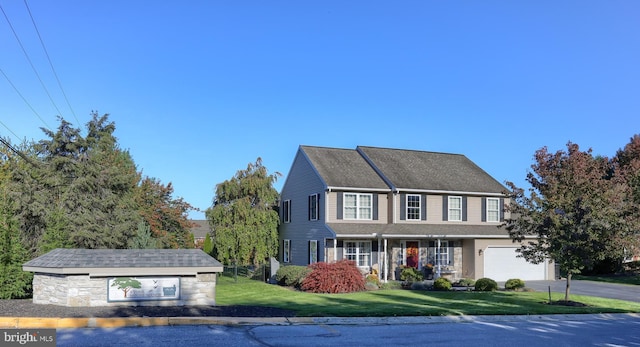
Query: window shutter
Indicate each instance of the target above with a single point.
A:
(375, 206)
(403, 206)
(451, 248)
(309, 208)
(464, 208)
(445, 208)
(423, 207)
(339, 203)
(484, 209)
(502, 209)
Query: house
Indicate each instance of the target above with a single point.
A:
(200, 228)
(388, 208)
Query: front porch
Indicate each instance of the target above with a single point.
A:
(388, 256)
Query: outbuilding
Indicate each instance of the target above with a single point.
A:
(124, 277)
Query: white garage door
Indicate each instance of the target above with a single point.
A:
(501, 264)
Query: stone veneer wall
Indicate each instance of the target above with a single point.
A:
(83, 291)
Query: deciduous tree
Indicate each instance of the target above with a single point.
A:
(244, 216)
(572, 213)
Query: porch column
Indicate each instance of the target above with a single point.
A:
(386, 259)
(335, 250)
(438, 259)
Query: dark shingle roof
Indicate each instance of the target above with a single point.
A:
(420, 170)
(417, 230)
(201, 228)
(343, 168)
(105, 260)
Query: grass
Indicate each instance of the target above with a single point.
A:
(620, 279)
(398, 302)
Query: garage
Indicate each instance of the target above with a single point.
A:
(501, 264)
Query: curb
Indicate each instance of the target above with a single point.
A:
(120, 322)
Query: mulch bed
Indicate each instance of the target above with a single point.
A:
(26, 308)
(568, 303)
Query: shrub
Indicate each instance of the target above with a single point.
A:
(410, 274)
(339, 277)
(371, 286)
(465, 282)
(486, 285)
(514, 284)
(391, 285)
(372, 278)
(442, 284)
(292, 275)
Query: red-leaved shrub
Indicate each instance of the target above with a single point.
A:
(339, 277)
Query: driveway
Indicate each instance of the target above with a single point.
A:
(591, 288)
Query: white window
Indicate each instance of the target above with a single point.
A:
(442, 253)
(313, 206)
(493, 210)
(455, 208)
(358, 251)
(413, 207)
(313, 251)
(358, 206)
(286, 251)
(286, 211)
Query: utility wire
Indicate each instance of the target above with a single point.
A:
(14, 150)
(50, 63)
(11, 131)
(29, 60)
(23, 98)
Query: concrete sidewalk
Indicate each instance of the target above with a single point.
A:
(62, 323)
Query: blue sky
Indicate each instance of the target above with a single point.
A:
(199, 89)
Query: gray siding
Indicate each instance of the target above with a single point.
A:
(303, 181)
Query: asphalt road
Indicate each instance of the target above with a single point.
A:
(591, 288)
(491, 331)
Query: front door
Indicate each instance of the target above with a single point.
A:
(412, 253)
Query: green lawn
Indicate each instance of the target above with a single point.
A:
(401, 302)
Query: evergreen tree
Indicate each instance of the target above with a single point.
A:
(143, 238)
(14, 283)
(207, 247)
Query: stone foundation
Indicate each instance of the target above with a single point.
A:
(86, 291)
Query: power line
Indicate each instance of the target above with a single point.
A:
(14, 150)
(29, 60)
(11, 131)
(50, 63)
(23, 98)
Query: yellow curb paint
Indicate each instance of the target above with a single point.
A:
(126, 322)
(8, 322)
(73, 322)
(36, 322)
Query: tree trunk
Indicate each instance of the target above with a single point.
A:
(566, 291)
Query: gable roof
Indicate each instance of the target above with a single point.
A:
(421, 170)
(120, 262)
(387, 169)
(343, 168)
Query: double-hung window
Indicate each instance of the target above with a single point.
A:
(313, 251)
(493, 210)
(286, 251)
(359, 252)
(358, 206)
(286, 211)
(413, 207)
(455, 208)
(313, 206)
(442, 253)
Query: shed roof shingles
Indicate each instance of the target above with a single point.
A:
(124, 258)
